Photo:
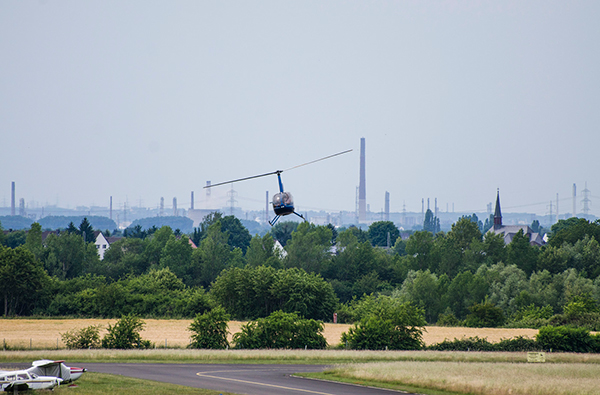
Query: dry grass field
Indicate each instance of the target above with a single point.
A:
(481, 378)
(45, 333)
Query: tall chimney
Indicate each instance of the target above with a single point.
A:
(110, 208)
(174, 207)
(162, 206)
(192, 205)
(387, 206)
(208, 189)
(12, 200)
(362, 187)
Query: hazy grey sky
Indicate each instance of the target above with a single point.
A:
(143, 99)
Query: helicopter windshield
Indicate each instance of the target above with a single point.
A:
(283, 199)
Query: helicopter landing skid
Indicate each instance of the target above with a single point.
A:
(274, 220)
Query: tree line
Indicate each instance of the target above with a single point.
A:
(459, 277)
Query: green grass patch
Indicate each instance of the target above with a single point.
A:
(100, 384)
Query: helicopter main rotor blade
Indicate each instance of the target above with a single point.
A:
(318, 160)
(277, 171)
(244, 179)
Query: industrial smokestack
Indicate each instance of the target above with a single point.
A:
(162, 206)
(362, 186)
(387, 206)
(110, 208)
(12, 200)
(174, 207)
(208, 189)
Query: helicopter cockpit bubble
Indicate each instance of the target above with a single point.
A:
(284, 198)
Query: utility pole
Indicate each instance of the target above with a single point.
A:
(586, 201)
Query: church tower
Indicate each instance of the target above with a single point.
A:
(497, 213)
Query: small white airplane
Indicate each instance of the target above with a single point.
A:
(47, 367)
(44, 374)
(22, 380)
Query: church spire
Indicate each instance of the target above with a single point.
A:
(497, 213)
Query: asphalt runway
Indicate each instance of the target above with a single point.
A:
(236, 378)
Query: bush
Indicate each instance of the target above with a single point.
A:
(563, 338)
(281, 330)
(125, 334)
(531, 317)
(447, 318)
(464, 344)
(209, 330)
(88, 337)
(484, 315)
(518, 343)
(581, 312)
(389, 325)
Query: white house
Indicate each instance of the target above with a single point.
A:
(103, 243)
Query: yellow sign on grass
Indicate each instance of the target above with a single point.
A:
(536, 357)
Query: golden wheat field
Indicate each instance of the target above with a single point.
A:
(46, 333)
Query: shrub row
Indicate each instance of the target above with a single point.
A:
(549, 338)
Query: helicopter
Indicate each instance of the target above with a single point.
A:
(283, 202)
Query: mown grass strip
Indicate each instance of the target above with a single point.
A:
(324, 357)
(412, 389)
(101, 384)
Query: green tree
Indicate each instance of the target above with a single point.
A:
(154, 248)
(484, 315)
(15, 239)
(419, 246)
(380, 231)
(262, 251)
(214, 255)
(67, 255)
(506, 284)
(209, 330)
(494, 248)
(573, 229)
(421, 289)
(84, 338)
(464, 232)
(125, 334)
(86, 231)
(281, 330)
(177, 255)
(33, 242)
(207, 221)
(239, 237)
(23, 280)
(282, 232)
(388, 325)
(463, 291)
(521, 253)
(309, 248)
(124, 257)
